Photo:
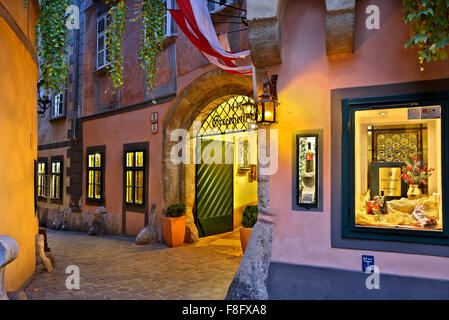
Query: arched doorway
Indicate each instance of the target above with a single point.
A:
(226, 162)
(194, 103)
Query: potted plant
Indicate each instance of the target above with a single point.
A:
(414, 175)
(249, 219)
(174, 225)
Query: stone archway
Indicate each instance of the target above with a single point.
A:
(193, 103)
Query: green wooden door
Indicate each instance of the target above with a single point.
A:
(214, 193)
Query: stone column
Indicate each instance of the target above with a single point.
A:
(8, 252)
(250, 281)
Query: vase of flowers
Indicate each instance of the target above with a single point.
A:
(415, 174)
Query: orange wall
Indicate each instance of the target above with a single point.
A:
(306, 77)
(114, 132)
(18, 145)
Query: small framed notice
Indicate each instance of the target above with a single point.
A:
(154, 128)
(154, 117)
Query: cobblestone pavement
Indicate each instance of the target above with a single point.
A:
(112, 267)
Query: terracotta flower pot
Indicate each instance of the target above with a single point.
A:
(245, 233)
(174, 230)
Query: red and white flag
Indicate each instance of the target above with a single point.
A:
(194, 20)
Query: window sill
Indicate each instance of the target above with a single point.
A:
(169, 40)
(99, 72)
(135, 207)
(93, 202)
(54, 119)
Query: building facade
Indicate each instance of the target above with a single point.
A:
(354, 106)
(18, 127)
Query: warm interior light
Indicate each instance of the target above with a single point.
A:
(248, 109)
(382, 113)
(267, 114)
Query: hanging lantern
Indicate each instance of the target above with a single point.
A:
(266, 107)
(250, 112)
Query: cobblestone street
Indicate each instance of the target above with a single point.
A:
(112, 267)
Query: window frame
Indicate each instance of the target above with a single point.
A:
(55, 159)
(63, 101)
(45, 179)
(136, 147)
(348, 108)
(102, 151)
(97, 36)
(219, 7)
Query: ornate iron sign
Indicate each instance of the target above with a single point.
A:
(230, 116)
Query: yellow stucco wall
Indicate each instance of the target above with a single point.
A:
(18, 145)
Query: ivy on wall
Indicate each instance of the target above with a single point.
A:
(114, 37)
(153, 32)
(429, 20)
(51, 43)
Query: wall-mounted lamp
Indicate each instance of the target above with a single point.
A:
(266, 107)
(43, 101)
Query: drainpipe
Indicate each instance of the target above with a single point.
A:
(8, 252)
(75, 135)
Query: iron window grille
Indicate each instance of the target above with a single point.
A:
(135, 177)
(56, 179)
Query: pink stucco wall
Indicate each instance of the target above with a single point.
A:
(306, 77)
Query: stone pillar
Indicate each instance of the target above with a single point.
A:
(250, 281)
(340, 27)
(8, 252)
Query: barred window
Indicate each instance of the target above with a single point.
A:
(135, 175)
(95, 168)
(42, 179)
(56, 179)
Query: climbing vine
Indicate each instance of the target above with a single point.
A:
(51, 44)
(114, 37)
(429, 20)
(153, 31)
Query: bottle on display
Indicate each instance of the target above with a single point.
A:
(309, 158)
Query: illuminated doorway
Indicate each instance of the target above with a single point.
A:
(226, 159)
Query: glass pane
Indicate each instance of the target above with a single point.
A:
(129, 178)
(130, 159)
(307, 170)
(139, 159)
(100, 43)
(97, 177)
(91, 176)
(398, 184)
(139, 195)
(98, 160)
(57, 187)
(129, 194)
(139, 179)
(97, 192)
(91, 160)
(100, 59)
(90, 193)
(101, 25)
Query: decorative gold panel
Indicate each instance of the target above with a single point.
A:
(396, 145)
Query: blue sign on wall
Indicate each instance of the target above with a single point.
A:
(367, 261)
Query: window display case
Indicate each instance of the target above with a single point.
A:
(398, 168)
(307, 170)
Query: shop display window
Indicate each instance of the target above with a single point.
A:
(397, 157)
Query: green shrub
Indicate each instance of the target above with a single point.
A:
(249, 218)
(176, 210)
